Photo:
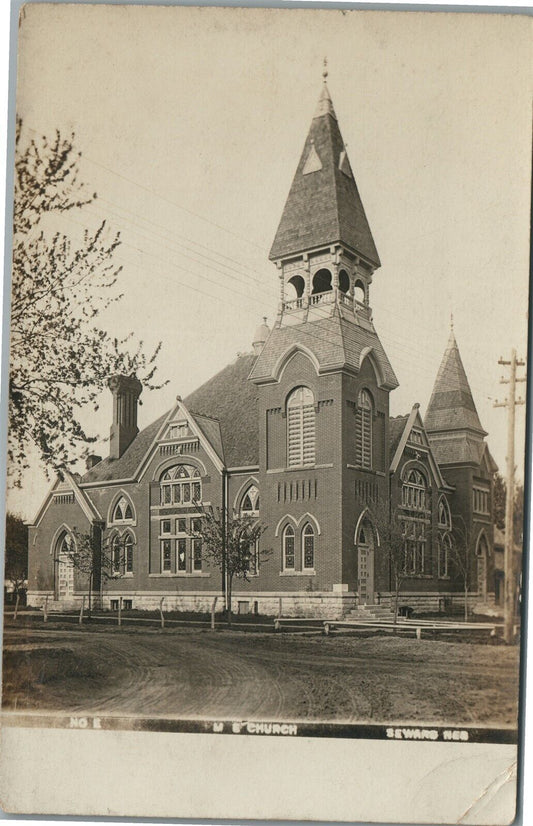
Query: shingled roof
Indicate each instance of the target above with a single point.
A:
(232, 399)
(323, 206)
(334, 341)
(396, 429)
(451, 406)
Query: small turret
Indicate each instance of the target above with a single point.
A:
(126, 391)
(260, 337)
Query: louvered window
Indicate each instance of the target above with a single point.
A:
(364, 430)
(301, 427)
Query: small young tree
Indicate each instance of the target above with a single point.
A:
(91, 559)
(231, 542)
(461, 556)
(393, 536)
(16, 552)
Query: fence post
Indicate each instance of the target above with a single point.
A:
(16, 605)
(45, 609)
(213, 614)
(279, 608)
(161, 612)
(81, 610)
(120, 610)
(419, 633)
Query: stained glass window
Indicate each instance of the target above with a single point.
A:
(128, 553)
(197, 554)
(309, 547)
(177, 487)
(288, 548)
(182, 554)
(166, 554)
(123, 511)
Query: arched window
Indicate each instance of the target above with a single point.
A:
(122, 511)
(445, 520)
(116, 555)
(128, 553)
(298, 285)
(364, 429)
(414, 491)
(301, 427)
(288, 549)
(444, 555)
(180, 485)
(308, 546)
(250, 502)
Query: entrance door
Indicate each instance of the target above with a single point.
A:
(365, 565)
(65, 578)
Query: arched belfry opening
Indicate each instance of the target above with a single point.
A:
(296, 286)
(359, 292)
(322, 281)
(344, 282)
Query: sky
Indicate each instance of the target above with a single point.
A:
(191, 123)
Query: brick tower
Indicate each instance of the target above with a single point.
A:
(323, 381)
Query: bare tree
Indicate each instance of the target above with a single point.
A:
(60, 359)
(393, 536)
(462, 554)
(94, 560)
(231, 542)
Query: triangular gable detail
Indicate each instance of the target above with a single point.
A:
(415, 421)
(89, 509)
(179, 414)
(51, 490)
(313, 162)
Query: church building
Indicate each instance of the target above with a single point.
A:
(296, 433)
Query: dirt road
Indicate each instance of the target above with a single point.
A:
(228, 674)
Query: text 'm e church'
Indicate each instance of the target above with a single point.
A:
(296, 434)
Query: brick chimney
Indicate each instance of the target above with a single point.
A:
(126, 391)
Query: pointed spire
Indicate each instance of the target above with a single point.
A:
(324, 206)
(451, 406)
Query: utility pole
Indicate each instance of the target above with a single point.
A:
(510, 403)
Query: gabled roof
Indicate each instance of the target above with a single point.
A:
(225, 410)
(124, 468)
(396, 429)
(451, 406)
(324, 206)
(231, 399)
(401, 427)
(334, 343)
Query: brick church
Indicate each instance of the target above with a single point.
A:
(296, 433)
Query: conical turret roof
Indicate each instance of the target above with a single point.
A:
(324, 206)
(451, 406)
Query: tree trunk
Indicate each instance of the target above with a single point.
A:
(89, 601)
(466, 603)
(396, 601)
(228, 596)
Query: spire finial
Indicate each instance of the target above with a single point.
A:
(451, 322)
(325, 69)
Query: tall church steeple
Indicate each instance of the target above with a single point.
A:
(323, 247)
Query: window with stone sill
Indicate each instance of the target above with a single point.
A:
(289, 557)
(122, 554)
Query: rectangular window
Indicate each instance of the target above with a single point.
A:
(197, 554)
(165, 495)
(165, 526)
(186, 492)
(166, 555)
(177, 494)
(480, 500)
(181, 526)
(196, 525)
(196, 492)
(182, 554)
